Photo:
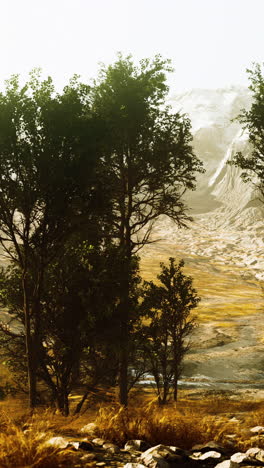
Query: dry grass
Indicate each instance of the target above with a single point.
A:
(190, 422)
(156, 425)
(24, 444)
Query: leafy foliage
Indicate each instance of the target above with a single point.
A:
(253, 122)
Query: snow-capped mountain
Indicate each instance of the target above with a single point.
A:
(225, 209)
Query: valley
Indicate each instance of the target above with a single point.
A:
(223, 247)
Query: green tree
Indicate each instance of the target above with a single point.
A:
(169, 307)
(47, 158)
(78, 324)
(147, 164)
(253, 121)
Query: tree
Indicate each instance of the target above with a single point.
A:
(253, 122)
(78, 323)
(47, 158)
(147, 164)
(169, 308)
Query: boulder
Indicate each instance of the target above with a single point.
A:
(161, 456)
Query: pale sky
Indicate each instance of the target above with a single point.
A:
(210, 42)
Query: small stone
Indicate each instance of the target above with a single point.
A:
(211, 454)
(256, 453)
(239, 457)
(257, 430)
(58, 442)
(99, 442)
(88, 456)
(227, 464)
(101, 464)
(89, 428)
(111, 448)
(134, 465)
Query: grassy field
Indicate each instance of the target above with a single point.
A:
(225, 291)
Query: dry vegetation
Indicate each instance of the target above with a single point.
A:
(191, 422)
(23, 437)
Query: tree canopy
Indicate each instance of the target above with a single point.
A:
(253, 121)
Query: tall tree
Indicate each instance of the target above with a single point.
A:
(147, 163)
(46, 162)
(253, 121)
(169, 307)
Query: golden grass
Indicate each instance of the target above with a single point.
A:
(25, 444)
(191, 422)
(188, 423)
(223, 290)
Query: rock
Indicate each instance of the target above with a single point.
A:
(99, 442)
(137, 444)
(239, 457)
(87, 446)
(58, 442)
(111, 448)
(74, 445)
(211, 445)
(134, 465)
(255, 453)
(210, 455)
(227, 464)
(161, 456)
(257, 430)
(89, 428)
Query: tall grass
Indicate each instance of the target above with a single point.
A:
(23, 438)
(158, 425)
(29, 447)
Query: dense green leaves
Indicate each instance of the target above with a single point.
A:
(84, 175)
(169, 306)
(253, 122)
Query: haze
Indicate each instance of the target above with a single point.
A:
(211, 43)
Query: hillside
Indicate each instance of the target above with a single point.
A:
(223, 247)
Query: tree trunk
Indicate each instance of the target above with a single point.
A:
(123, 378)
(31, 361)
(175, 390)
(124, 331)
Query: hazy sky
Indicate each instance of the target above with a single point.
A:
(210, 42)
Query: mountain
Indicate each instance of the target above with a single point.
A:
(223, 204)
(223, 247)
